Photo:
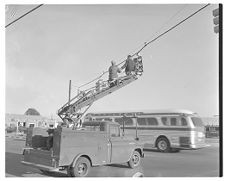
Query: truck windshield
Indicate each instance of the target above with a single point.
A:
(197, 121)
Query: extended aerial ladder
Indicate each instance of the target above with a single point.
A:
(75, 108)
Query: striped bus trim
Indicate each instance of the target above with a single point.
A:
(159, 128)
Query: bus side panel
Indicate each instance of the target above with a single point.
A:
(149, 135)
(180, 138)
(145, 136)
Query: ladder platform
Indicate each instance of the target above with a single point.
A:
(89, 99)
(73, 110)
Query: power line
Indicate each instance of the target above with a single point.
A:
(167, 22)
(171, 28)
(24, 15)
(146, 44)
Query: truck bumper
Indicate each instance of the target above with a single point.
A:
(39, 166)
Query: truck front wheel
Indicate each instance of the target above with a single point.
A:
(81, 168)
(134, 160)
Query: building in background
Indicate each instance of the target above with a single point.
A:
(212, 126)
(211, 120)
(15, 122)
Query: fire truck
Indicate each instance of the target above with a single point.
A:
(75, 151)
(77, 148)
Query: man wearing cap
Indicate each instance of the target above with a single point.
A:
(129, 65)
(113, 71)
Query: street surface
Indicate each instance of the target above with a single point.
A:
(186, 163)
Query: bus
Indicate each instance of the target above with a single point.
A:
(166, 130)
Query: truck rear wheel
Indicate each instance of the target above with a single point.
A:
(81, 168)
(134, 160)
(45, 172)
(69, 171)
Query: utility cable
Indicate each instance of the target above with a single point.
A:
(147, 43)
(167, 22)
(171, 28)
(24, 15)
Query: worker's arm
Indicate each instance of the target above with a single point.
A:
(119, 70)
(124, 66)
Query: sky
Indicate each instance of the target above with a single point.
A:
(58, 43)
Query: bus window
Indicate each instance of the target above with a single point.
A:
(183, 122)
(197, 121)
(114, 131)
(164, 120)
(127, 121)
(141, 121)
(119, 120)
(107, 119)
(173, 121)
(99, 119)
(152, 121)
(31, 125)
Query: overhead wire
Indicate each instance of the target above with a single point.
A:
(156, 32)
(151, 41)
(171, 28)
(159, 29)
(24, 15)
(167, 22)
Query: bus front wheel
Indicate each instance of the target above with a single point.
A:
(163, 144)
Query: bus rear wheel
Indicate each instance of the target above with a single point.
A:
(163, 144)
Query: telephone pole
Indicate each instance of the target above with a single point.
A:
(69, 97)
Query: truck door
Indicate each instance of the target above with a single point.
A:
(121, 148)
(103, 149)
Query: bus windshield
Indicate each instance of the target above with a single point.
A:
(197, 121)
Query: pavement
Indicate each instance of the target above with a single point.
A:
(186, 163)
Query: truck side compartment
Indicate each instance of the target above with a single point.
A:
(93, 144)
(42, 147)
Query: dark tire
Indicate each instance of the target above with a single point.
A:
(45, 172)
(81, 168)
(134, 160)
(69, 174)
(163, 145)
(175, 150)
